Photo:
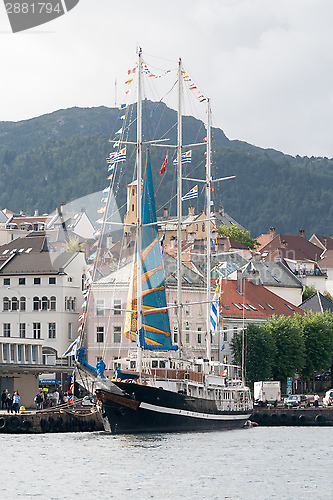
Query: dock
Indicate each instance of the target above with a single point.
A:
(312, 416)
(57, 419)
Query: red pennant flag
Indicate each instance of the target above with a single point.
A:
(164, 164)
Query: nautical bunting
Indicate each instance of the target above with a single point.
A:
(131, 71)
(106, 190)
(147, 71)
(101, 210)
(192, 86)
(186, 157)
(193, 193)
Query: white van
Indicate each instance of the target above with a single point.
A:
(328, 398)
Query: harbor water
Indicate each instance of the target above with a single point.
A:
(254, 463)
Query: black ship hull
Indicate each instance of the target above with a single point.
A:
(148, 409)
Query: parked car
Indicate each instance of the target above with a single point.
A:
(328, 398)
(295, 400)
(310, 399)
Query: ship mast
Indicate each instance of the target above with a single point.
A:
(208, 230)
(138, 205)
(179, 209)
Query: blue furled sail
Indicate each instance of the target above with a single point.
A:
(155, 333)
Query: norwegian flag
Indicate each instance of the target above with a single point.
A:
(164, 164)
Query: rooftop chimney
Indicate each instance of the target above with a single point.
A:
(191, 210)
(272, 232)
(301, 233)
(36, 213)
(239, 281)
(166, 212)
(253, 276)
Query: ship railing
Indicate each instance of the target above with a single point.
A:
(173, 374)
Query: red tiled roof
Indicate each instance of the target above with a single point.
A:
(253, 295)
(326, 241)
(289, 246)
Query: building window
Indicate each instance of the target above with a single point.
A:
(187, 308)
(12, 352)
(99, 334)
(5, 304)
(100, 307)
(36, 330)
(53, 303)
(52, 281)
(117, 334)
(34, 353)
(69, 330)
(15, 304)
(22, 331)
(5, 352)
(52, 330)
(225, 334)
(44, 303)
(187, 332)
(203, 226)
(22, 304)
(27, 353)
(21, 281)
(6, 329)
(117, 307)
(36, 281)
(19, 352)
(175, 334)
(35, 301)
(6, 281)
(132, 207)
(199, 334)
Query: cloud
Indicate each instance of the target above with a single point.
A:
(267, 66)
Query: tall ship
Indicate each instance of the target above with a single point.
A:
(160, 387)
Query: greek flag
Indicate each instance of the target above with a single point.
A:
(71, 351)
(186, 157)
(193, 193)
(214, 312)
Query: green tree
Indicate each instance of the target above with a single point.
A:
(260, 352)
(317, 331)
(239, 235)
(290, 346)
(308, 291)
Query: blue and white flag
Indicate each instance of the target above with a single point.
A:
(214, 312)
(193, 193)
(71, 351)
(106, 190)
(117, 156)
(186, 157)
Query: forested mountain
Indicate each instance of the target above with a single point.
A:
(61, 156)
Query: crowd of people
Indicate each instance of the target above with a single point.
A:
(43, 399)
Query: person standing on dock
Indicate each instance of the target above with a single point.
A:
(3, 400)
(316, 400)
(16, 402)
(9, 403)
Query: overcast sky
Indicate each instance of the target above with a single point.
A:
(267, 65)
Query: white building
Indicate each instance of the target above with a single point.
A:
(41, 298)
